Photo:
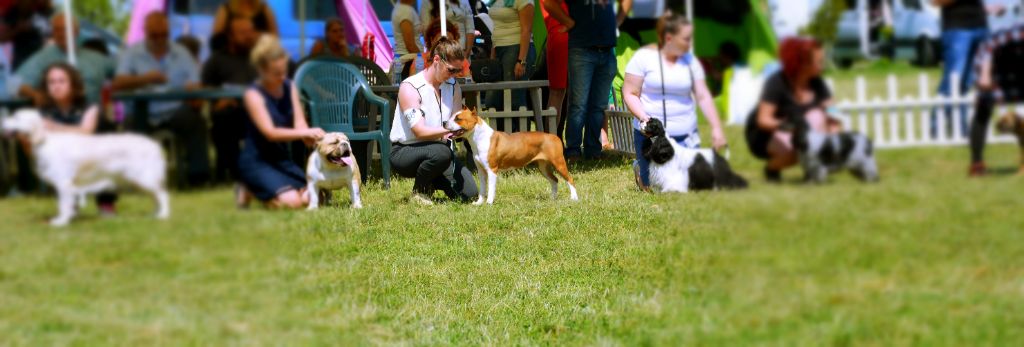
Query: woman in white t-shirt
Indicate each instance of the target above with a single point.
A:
(672, 102)
(458, 12)
(406, 26)
(513, 46)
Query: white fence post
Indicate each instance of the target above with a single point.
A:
(930, 126)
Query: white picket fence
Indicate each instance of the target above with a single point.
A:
(893, 121)
(907, 121)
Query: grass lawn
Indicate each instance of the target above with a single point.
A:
(926, 257)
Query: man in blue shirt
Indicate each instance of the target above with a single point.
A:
(592, 67)
(157, 63)
(94, 67)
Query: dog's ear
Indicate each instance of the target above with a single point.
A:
(645, 148)
(661, 150)
(800, 130)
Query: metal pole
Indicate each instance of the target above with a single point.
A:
(689, 16)
(302, 28)
(69, 32)
(444, 18)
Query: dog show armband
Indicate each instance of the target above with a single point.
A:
(413, 116)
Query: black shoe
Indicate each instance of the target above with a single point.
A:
(772, 176)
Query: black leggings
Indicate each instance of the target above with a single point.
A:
(983, 108)
(434, 167)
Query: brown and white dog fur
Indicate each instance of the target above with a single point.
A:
(496, 151)
(332, 167)
(1012, 123)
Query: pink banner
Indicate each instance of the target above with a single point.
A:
(361, 20)
(140, 8)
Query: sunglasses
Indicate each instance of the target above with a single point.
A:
(451, 70)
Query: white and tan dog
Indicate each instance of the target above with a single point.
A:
(496, 151)
(76, 164)
(332, 167)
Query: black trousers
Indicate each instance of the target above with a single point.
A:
(983, 107)
(227, 131)
(434, 167)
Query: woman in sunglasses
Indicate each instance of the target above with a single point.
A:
(421, 147)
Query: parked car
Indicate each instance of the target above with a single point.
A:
(915, 32)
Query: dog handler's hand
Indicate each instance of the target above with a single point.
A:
(315, 133)
(718, 141)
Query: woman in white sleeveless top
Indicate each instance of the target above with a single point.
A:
(421, 147)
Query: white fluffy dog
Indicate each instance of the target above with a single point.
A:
(76, 164)
(331, 167)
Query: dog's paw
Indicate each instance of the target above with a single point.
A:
(479, 201)
(357, 205)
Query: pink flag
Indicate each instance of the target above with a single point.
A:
(362, 19)
(140, 8)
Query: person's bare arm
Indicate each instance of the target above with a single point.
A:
(408, 38)
(129, 82)
(942, 3)
(220, 21)
(707, 104)
(631, 87)
(554, 8)
(318, 48)
(525, 32)
(37, 97)
(624, 7)
(409, 99)
(766, 116)
(255, 104)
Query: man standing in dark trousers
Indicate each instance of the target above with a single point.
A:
(964, 26)
(230, 68)
(592, 67)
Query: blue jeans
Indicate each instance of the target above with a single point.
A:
(508, 55)
(591, 71)
(958, 47)
(642, 164)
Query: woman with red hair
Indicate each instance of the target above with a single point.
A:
(796, 93)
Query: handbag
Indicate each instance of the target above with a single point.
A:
(486, 70)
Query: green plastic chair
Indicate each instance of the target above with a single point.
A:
(329, 89)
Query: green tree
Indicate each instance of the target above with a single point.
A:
(825, 23)
(107, 14)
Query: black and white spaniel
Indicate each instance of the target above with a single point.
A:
(674, 168)
(823, 153)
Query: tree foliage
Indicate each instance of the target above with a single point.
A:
(108, 14)
(825, 23)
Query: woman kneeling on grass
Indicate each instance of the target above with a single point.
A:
(661, 82)
(275, 118)
(797, 92)
(421, 145)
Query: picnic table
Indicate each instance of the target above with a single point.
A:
(141, 98)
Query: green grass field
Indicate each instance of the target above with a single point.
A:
(926, 257)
